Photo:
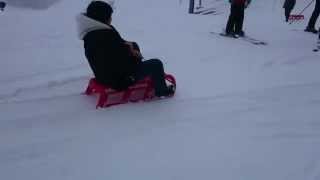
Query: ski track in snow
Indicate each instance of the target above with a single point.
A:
(312, 170)
(31, 76)
(13, 97)
(256, 95)
(285, 61)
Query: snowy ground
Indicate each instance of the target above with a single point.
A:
(241, 112)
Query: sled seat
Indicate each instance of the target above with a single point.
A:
(295, 17)
(142, 90)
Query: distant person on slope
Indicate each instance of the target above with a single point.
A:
(2, 5)
(114, 61)
(288, 7)
(236, 17)
(313, 18)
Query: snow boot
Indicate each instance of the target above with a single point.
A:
(241, 33)
(312, 30)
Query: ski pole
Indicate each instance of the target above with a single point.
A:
(303, 10)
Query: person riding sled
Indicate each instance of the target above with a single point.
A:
(114, 61)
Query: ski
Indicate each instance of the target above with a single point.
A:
(253, 40)
(244, 38)
(224, 35)
(205, 10)
(209, 12)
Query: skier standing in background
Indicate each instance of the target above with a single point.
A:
(288, 7)
(313, 18)
(236, 17)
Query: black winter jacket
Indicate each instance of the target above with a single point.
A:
(109, 57)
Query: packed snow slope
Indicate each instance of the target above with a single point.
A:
(241, 112)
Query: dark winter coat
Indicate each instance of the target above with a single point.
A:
(289, 4)
(108, 55)
(240, 2)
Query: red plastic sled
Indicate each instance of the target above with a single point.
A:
(141, 91)
(295, 17)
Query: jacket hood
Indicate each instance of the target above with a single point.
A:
(86, 25)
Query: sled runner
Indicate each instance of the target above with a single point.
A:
(143, 90)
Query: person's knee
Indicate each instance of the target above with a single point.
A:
(156, 62)
(156, 65)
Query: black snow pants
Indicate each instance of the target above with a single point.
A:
(314, 16)
(236, 17)
(288, 7)
(154, 69)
